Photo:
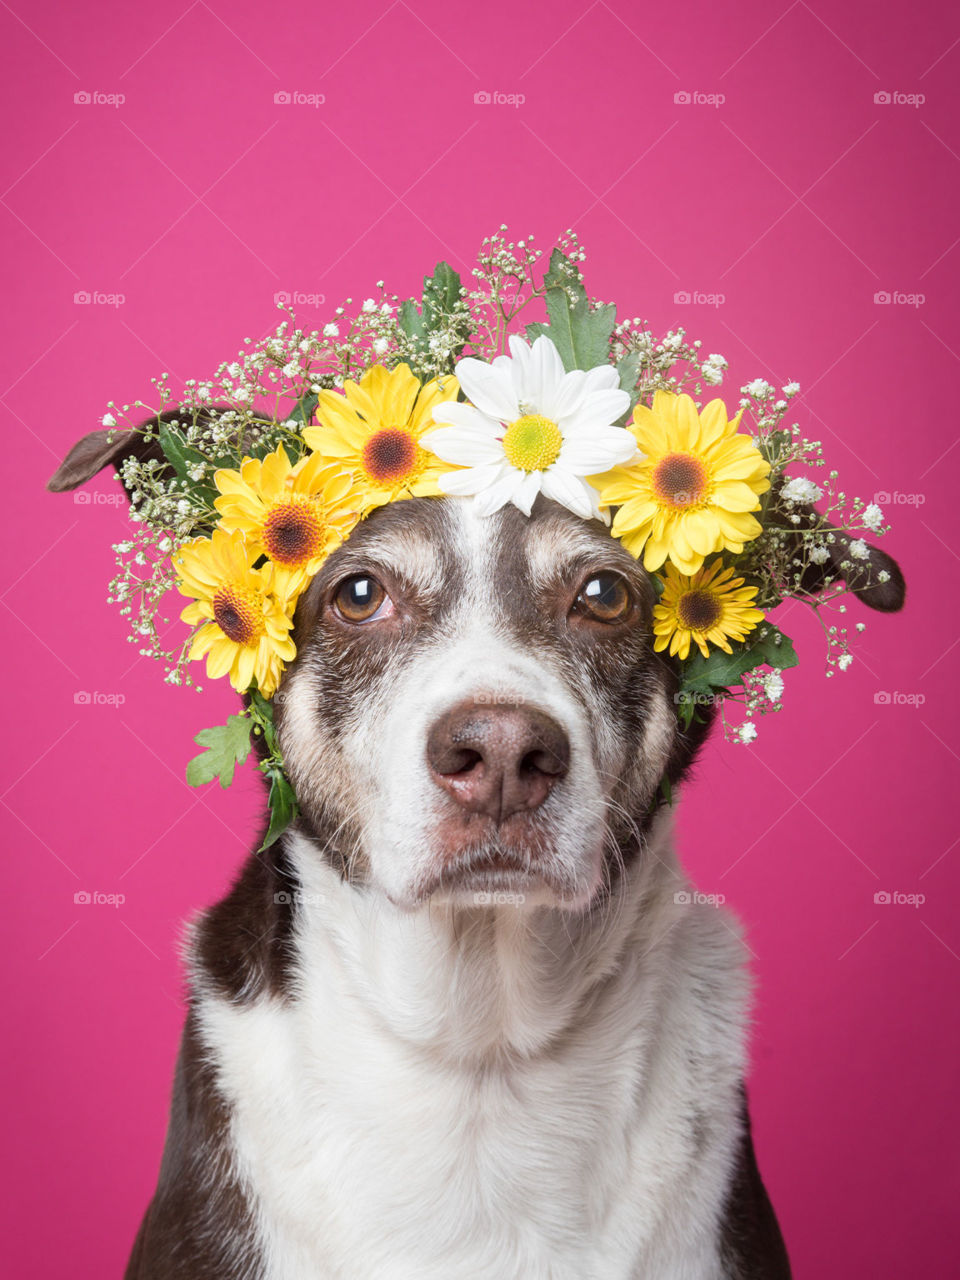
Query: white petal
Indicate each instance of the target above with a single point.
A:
(599, 408)
(458, 414)
(490, 389)
(498, 494)
(587, 452)
(565, 398)
(572, 492)
(602, 378)
(464, 445)
(520, 369)
(546, 369)
(526, 494)
(470, 481)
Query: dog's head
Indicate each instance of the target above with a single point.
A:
(476, 708)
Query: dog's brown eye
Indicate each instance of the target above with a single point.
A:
(604, 598)
(360, 599)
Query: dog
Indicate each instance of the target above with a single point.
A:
(465, 1020)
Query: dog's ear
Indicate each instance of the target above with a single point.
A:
(106, 448)
(877, 580)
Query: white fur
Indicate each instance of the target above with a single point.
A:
(490, 1094)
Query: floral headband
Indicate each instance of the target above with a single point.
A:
(241, 492)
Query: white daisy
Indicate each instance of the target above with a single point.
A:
(531, 428)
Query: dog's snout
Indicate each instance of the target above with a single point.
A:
(497, 760)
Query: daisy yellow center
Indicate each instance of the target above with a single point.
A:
(293, 531)
(390, 455)
(680, 480)
(238, 614)
(532, 443)
(699, 610)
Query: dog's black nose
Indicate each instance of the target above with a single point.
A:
(497, 760)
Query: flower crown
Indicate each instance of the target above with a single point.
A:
(241, 492)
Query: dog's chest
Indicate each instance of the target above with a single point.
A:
(367, 1158)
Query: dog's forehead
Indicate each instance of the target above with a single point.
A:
(429, 541)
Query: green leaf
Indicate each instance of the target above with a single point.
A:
(302, 411)
(564, 274)
(628, 367)
(178, 453)
(283, 807)
(722, 670)
(441, 291)
(261, 713)
(580, 334)
(227, 745)
(441, 296)
(411, 321)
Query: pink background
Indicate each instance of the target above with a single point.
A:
(797, 198)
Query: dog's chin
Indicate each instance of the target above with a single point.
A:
(496, 873)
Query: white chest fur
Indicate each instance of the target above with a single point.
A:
(502, 1097)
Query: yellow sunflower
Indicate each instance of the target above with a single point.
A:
(373, 431)
(294, 514)
(247, 627)
(693, 492)
(709, 606)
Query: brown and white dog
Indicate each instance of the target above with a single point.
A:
(463, 1022)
